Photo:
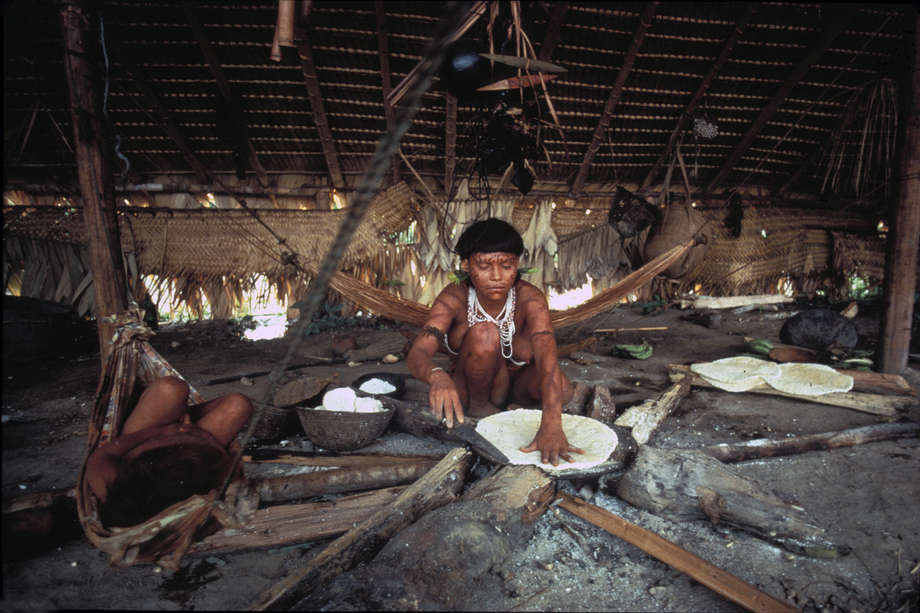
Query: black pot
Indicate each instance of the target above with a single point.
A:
(397, 381)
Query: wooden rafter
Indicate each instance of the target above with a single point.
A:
(450, 141)
(383, 49)
(320, 118)
(848, 116)
(223, 87)
(403, 87)
(829, 33)
(169, 124)
(553, 28)
(727, 48)
(645, 20)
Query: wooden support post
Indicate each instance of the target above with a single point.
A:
(720, 581)
(829, 33)
(439, 486)
(94, 169)
(901, 263)
(645, 20)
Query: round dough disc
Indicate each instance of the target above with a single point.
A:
(807, 379)
(736, 374)
(511, 430)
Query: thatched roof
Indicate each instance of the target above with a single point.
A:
(782, 75)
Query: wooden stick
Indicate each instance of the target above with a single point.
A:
(262, 373)
(646, 329)
(875, 404)
(720, 581)
(768, 448)
(438, 487)
(730, 302)
(340, 461)
(646, 417)
(337, 480)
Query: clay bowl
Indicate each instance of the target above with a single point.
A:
(343, 431)
(397, 381)
(791, 353)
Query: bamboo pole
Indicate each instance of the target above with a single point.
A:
(901, 264)
(720, 581)
(94, 169)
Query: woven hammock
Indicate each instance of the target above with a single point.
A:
(387, 305)
(133, 364)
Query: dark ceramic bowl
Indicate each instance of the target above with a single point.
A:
(397, 381)
(343, 431)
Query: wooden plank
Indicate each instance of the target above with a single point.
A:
(718, 580)
(645, 20)
(876, 404)
(282, 525)
(724, 54)
(901, 260)
(730, 302)
(94, 168)
(383, 51)
(320, 118)
(840, 18)
(439, 486)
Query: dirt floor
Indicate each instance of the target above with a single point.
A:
(865, 496)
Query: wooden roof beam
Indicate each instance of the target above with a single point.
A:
(403, 87)
(224, 87)
(383, 48)
(553, 28)
(320, 118)
(166, 120)
(450, 142)
(714, 70)
(645, 20)
(841, 17)
(848, 116)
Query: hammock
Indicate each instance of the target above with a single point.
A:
(132, 364)
(388, 305)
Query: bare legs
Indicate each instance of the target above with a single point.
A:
(164, 402)
(481, 374)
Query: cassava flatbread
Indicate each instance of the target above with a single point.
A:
(808, 379)
(736, 374)
(511, 430)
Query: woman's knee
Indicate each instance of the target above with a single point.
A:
(169, 388)
(239, 406)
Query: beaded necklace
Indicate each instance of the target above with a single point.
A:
(505, 321)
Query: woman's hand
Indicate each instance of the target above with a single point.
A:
(444, 399)
(552, 444)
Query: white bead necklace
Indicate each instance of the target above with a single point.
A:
(505, 321)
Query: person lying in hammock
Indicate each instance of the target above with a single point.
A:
(498, 329)
(167, 451)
